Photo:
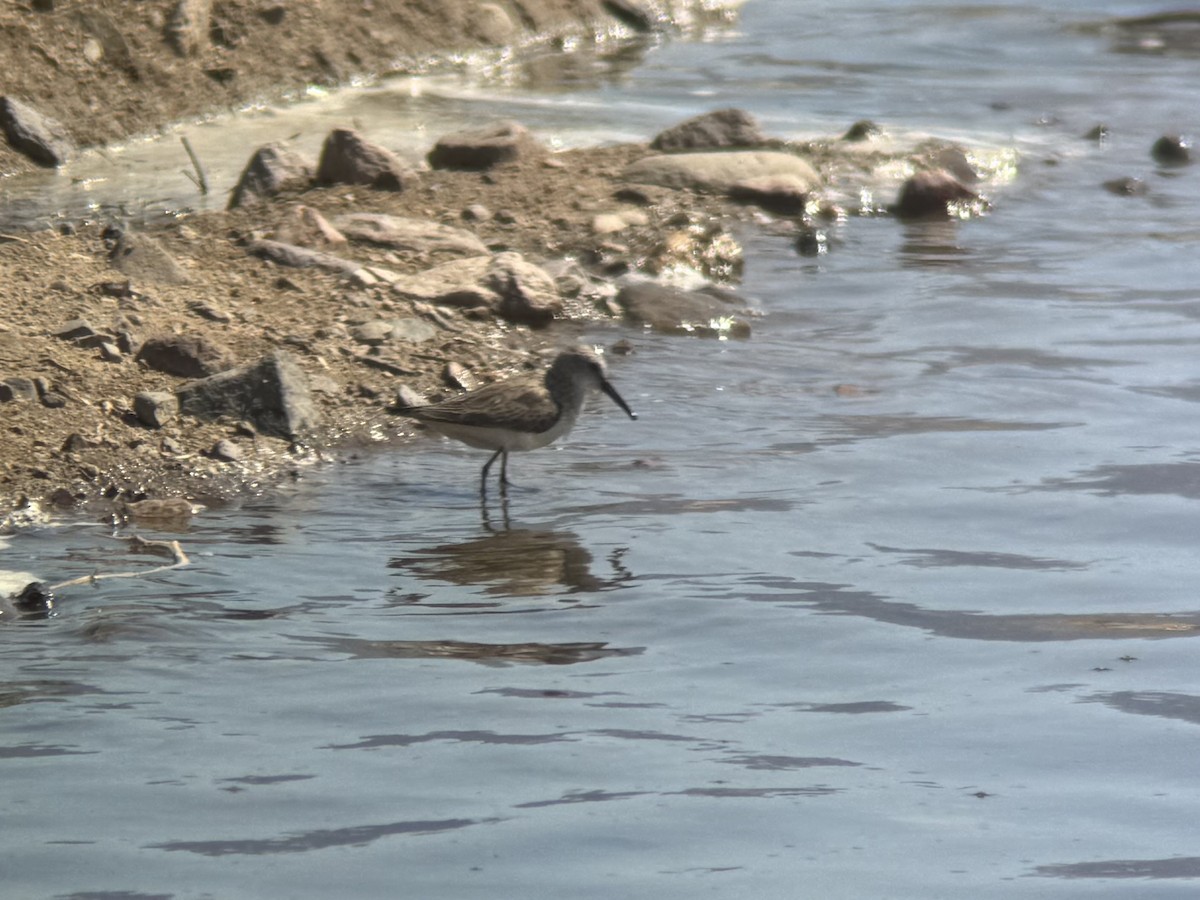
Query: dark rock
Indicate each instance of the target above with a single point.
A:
(674, 311)
(274, 14)
(53, 400)
(931, 194)
(483, 148)
(187, 29)
(75, 442)
(862, 130)
(811, 242)
(349, 158)
(630, 13)
(185, 355)
(41, 138)
(272, 169)
(18, 389)
(1172, 150)
(155, 409)
(1098, 133)
(35, 598)
(273, 393)
(720, 129)
(143, 258)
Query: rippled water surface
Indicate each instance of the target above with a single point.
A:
(894, 599)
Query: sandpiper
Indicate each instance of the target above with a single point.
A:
(522, 413)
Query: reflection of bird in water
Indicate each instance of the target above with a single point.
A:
(519, 562)
(522, 413)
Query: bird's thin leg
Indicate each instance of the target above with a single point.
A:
(487, 465)
(504, 482)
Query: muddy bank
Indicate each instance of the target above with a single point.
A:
(110, 69)
(340, 289)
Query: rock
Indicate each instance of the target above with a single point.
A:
(1126, 187)
(717, 173)
(862, 130)
(1172, 150)
(301, 257)
(226, 450)
(930, 194)
(165, 511)
(349, 158)
(75, 330)
(492, 24)
(379, 331)
(483, 148)
(420, 236)
(784, 195)
(476, 212)
(273, 393)
(187, 28)
(155, 409)
(41, 138)
(630, 13)
(674, 311)
(507, 285)
(305, 227)
(608, 223)
(184, 355)
(528, 295)
(722, 128)
(272, 169)
(458, 283)
(143, 258)
(18, 390)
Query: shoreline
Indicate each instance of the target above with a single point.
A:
(446, 277)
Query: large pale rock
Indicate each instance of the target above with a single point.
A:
(273, 393)
(304, 226)
(419, 236)
(272, 169)
(482, 148)
(507, 284)
(43, 139)
(349, 158)
(717, 173)
(785, 195)
(188, 26)
(674, 311)
(719, 129)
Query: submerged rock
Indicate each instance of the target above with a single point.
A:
(931, 194)
(675, 311)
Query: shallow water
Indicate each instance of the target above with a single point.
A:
(926, 635)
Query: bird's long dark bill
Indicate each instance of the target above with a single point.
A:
(616, 398)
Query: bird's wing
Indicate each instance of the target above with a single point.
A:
(519, 406)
